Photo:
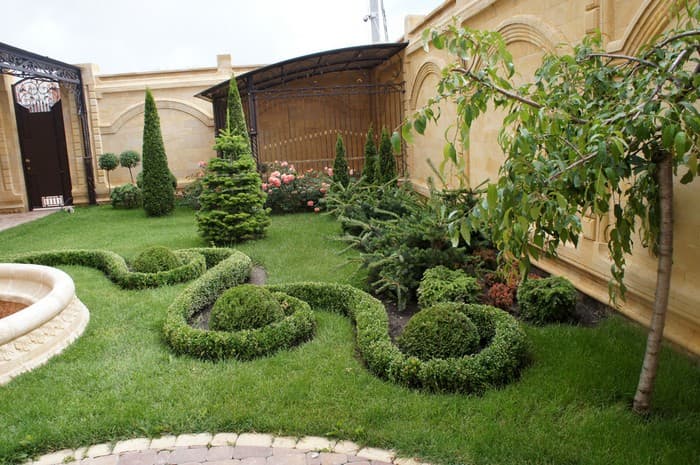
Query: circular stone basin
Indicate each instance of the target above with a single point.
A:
(8, 308)
(51, 318)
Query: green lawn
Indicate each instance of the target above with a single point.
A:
(119, 380)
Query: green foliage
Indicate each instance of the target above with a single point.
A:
(586, 137)
(245, 307)
(129, 159)
(439, 331)
(232, 202)
(127, 196)
(232, 145)
(296, 327)
(370, 169)
(235, 122)
(341, 174)
(547, 300)
(171, 176)
(154, 259)
(290, 192)
(193, 263)
(440, 284)
(108, 161)
(158, 191)
(386, 167)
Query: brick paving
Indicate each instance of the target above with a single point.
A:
(225, 449)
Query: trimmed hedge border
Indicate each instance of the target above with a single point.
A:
(497, 364)
(298, 325)
(195, 261)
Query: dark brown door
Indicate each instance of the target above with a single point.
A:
(44, 156)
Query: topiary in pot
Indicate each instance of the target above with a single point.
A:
(129, 159)
(108, 162)
(155, 259)
(440, 284)
(439, 331)
(245, 307)
(547, 300)
(158, 191)
(126, 196)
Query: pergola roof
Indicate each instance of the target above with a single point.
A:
(23, 63)
(342, 59)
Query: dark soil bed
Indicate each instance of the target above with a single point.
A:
(8, 308)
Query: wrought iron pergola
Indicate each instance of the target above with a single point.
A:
(24, 64)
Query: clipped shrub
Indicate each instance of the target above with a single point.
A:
(245, 307)
(369, 171)
(440, 284)
(547, 300)
(129, 159)
(126, 196)
(341, 174)
(439, 332)
(386, 166)
(158, 191)
(155, 259)
(108, 162)
(232, 202)
(171, 176)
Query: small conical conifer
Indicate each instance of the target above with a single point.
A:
(340, 165)
(386, 168)
(369, 172)
(158, 190)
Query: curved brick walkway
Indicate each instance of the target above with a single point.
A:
(225, 449)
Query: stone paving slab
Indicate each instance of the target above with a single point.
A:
(226, 449)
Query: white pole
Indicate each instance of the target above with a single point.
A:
(374, 19)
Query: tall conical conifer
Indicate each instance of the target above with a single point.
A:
(340, 165)
(158, 190)
(369, 172)
(235, 118)
(386, 167)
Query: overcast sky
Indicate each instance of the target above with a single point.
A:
(141, 35)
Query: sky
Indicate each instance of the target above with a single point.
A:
(143, 35)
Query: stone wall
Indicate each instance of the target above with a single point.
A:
(531, 28)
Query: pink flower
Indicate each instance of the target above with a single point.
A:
(202, 164)
(264, 186)
(316, 210)
(284, 163)
(292, 169)
(275, 181)
(330, 171)
(287, 178)
(310, 203)
(352, 172)
(322, 190)
(275, 174)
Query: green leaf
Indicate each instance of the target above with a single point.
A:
(491, 196)
(396, 142)
(667, 135)
(450, 153)
(465, 231)
(679, 143)
(406, 132)
(419, 124)
(687, 178)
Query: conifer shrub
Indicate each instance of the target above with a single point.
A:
(369, 171)
(158, 190)
(155, 259)
(232, 202)
(440, 284)
(235, 118)
(547, 300)
(341, 174)
(439, 331)
(127, 196)
(386, 166)
(245, 307)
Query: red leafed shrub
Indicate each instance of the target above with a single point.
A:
(501, 295)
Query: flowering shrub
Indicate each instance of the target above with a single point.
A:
(289, 191)
(192, 191)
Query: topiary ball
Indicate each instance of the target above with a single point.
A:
(155, 259)
(245, 307)
(547, 300)
(439, 331)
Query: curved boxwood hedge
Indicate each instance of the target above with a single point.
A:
(298, 325)
(496, 364)
(194, 262)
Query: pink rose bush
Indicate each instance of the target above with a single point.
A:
(289, 191)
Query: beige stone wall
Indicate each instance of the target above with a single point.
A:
(12, 189)
(530, 28)
(187, 123)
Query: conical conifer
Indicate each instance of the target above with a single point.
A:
(386, 167)
(158, 190)
(340, 165)
(369, 172)
(235, 118)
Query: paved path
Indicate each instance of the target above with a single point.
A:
(225, 449)
(10, 220)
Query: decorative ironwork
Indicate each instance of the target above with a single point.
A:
(21, 63)
(37, 95)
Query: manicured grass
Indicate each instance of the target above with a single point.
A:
(119, 380)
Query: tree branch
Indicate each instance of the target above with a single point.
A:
(694, 32)
(578, 162)
(623, 57)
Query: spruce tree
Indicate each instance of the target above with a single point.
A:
(158, 190)
(340, 165)
(369, 172)
(386, 167)
(232, 202)
(235, 118)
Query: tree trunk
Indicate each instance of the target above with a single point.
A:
(642, 398)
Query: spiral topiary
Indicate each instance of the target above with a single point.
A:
(155, 259)
(441, 332)
(245, 307)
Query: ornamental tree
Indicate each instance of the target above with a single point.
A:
(158, 190)
(129, 159)
(341, 174)
(108, 162)
(235, 118)
(594, 133)
(386, 167)
(369, 171)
